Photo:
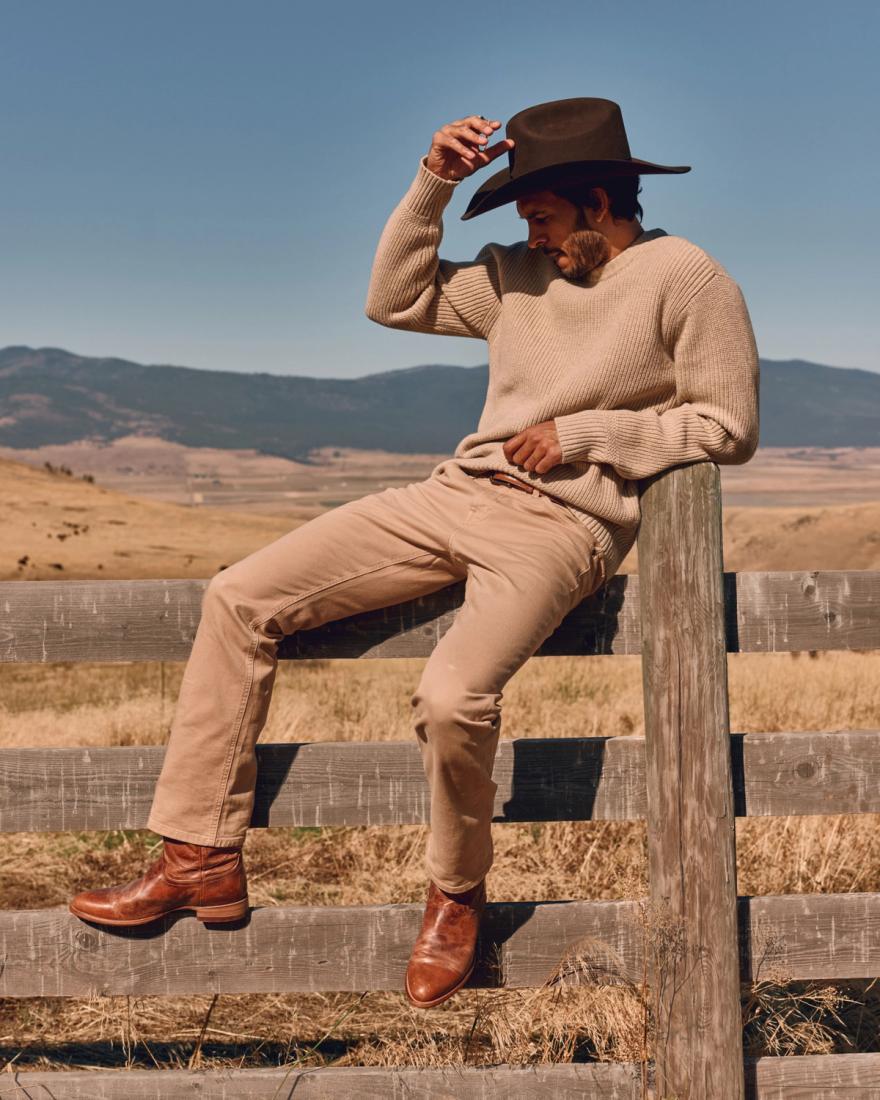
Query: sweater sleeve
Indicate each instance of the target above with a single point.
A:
(716, 380)
(412, 288)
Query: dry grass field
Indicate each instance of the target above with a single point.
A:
(159, 509)
(79, 704)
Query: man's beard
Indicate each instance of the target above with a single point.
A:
(586, 249)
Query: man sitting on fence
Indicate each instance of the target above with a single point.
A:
(614, 352)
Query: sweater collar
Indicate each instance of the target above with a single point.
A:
(622, 259)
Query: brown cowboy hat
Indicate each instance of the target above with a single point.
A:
(563, 141)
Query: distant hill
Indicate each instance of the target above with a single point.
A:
(51, 396)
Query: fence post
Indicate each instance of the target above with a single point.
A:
(693, 953)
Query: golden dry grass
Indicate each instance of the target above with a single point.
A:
(69, 704)
(59, 527)
(80, 704)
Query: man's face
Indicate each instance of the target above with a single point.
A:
(562, 231)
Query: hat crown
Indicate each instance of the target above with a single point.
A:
(566, 130)
(565, 140)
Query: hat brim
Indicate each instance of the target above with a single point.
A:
(501, 189)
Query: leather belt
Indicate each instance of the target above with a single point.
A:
(500, 477)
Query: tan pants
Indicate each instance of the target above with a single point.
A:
(527, 561)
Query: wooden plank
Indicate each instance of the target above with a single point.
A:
(49, 953)
(152, 620)
(814, 1077)
(324, 783)
(99, 620)
(811, 1077)
(793, 773)
(382, 783)
(287, 949)
(810, 936)
(606, 1081)
(694, 961)
(819, 609)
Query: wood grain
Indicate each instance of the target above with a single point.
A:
(287, 949)
(564, 1082)
(49, 953)
(814, 1077)
(156, 620)
(811, 1077)
(382, 783)
(693, 962)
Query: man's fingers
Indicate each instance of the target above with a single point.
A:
(533, 451)
(537, 453)
(519, 456)
(484, 126)
(449, 142)
(468, 134)
(468, 139)
(497, 149)
(511, 445)
(479, 121)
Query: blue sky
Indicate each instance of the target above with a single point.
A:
(204, 183)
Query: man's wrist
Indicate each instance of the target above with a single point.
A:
(446, 179)
(428, 193)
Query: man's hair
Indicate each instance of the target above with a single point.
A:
(621, 193)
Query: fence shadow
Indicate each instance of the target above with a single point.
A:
(554, 779)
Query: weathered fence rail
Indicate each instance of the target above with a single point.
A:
(156, 620)
(383, 783)
(323, 949)
(689, 778)
(846, 1076)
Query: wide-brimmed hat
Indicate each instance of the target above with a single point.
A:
(563, 141)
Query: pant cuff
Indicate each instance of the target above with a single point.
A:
(164, 828)
(457, 887)
(454, 885)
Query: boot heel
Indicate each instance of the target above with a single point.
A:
(220, 914)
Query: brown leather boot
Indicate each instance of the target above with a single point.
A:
(187, 876)
(444, 954)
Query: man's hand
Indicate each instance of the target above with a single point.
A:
(536, 449)
(460, 148)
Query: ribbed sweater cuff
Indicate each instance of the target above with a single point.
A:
(428, 193)
(578, 432)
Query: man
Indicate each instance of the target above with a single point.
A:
(614, 353)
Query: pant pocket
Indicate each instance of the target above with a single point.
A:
(593, 576)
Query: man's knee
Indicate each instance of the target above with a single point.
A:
(224, 585)
(444, 708)
(231, 592)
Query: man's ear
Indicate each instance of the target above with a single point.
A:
(602, 205)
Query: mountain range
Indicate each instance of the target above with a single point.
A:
(51, 396)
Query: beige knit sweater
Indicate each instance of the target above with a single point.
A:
(647, 362)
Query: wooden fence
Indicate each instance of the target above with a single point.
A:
(689, 777)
